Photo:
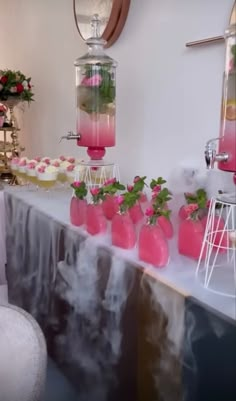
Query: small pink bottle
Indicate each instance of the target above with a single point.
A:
(78, 211)
(95, 220)
(123, 231)
(190, 238)
(166, 226)
(136, 213)
(153, 246)
(110, 207)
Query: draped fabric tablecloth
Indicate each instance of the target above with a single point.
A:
(118, 330)
(2, 239)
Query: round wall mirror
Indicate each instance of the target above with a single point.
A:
(112, 15)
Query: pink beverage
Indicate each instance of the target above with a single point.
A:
(95, 220)
(136, 213)
(166, 226)
(218, 239)
(143, 198)
(78, 209)
(96, 130)
(190, 239)
(153, 246)
(110, 207)
(123, 231)
(227, 143)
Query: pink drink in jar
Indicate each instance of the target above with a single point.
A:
(123, 231)
(153, 246)
(110, 207)
(95, 220)
(78, 211)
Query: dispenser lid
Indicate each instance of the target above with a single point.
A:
(96, 43)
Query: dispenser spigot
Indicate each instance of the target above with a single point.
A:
(211, 156)
(70, 135)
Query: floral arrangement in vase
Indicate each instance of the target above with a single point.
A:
(122, 228)
(153, 244)
(78, 203)
(136, 212)
(95, 220)
(109, 204)
(15, 85)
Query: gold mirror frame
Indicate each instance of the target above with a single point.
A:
(116, 22)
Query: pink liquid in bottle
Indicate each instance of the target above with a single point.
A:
(123, 231)
(110, 207)
(78, 211)
(153, 246)
(95, 220)
(166, 226)
(190, 238)
(219, 239)
(136, 213)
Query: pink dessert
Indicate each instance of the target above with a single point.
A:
(110, 207)
(95, 220)
(78, 208)
(123, 231)
(153, 246)
(166, 226)
(190, 239)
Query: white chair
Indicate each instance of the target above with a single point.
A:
(23, 356)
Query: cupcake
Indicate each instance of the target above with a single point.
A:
(62, 170)
(46, 160)
(55, 162)
(47, 175)
(31, 171)
(70, 173)
(71, 160)
(22, 165)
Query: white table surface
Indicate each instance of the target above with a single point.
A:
(179, 274)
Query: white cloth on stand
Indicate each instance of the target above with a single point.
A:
(2, 240)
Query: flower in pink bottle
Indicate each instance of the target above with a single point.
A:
(122, 229)
(95, 220)
(109, 205)
(78, 205)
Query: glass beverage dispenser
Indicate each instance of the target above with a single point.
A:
(227, 140)
(96, 95)
(226, 156)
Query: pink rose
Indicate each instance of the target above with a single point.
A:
(95, 80)
(38, 159)
(110, 181)
(22, 163)
(62, 158)
(149, 212)
(70, 168)
(157, 188)
(94, 191)
(76, 184)
(41, 169)
(31, 165)
(56, 164)
(189, 209)
(46, 160)
(130, 188)
(15, 160)
(119, 199)
(136, 179)
(71, 159)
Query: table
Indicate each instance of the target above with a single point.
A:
(118, 330)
